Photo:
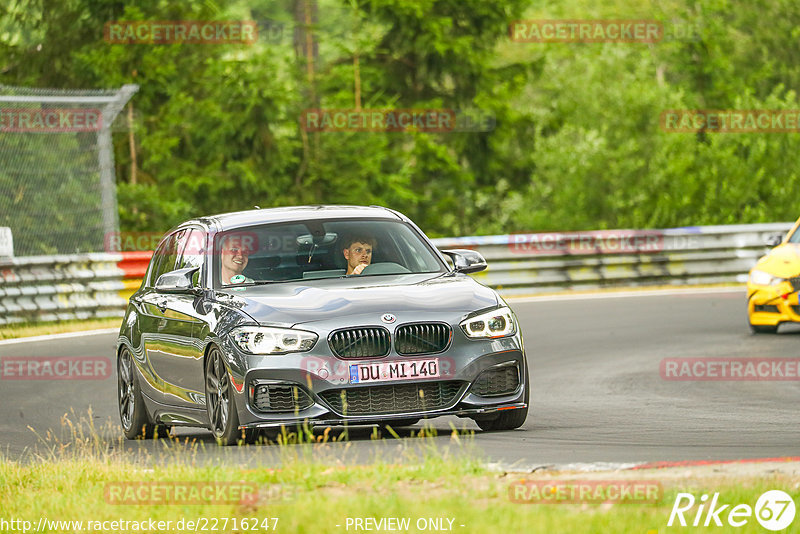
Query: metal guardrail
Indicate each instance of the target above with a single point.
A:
(60, 288)
(536, 263)
(98, 285)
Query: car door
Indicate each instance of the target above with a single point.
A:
(153, 322)
(186, 316)
(174, 354)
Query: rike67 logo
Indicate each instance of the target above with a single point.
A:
(774, 510)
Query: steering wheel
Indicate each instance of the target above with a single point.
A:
(386, 267)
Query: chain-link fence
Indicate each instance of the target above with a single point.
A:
(57, 187)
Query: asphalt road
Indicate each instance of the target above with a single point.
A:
(597, 394)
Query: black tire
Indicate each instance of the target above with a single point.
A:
(133, 416)
(222, 415)
(763, 329)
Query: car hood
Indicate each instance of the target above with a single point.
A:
(782, 261)
(294, 303)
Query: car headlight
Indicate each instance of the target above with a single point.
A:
(495, 323)
(760, 278)
(269, 340)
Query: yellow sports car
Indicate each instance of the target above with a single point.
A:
(773, 285)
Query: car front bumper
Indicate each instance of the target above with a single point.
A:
(772, 305)
(320, 376)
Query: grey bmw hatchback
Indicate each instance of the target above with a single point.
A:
(318, 315)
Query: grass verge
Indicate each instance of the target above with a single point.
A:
(314, 497)
(61, 327)
(90, 479)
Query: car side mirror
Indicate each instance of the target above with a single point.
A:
(773, 240)
(466, 261)
(178, 281)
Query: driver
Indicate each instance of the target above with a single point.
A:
(358, 252)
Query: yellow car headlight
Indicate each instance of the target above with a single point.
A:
(760, 278)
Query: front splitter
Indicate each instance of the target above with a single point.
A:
(378, 419)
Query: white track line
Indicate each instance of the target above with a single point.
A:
(66, 335)
(533, 298)
(626, 294)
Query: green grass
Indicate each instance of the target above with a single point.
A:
(312, 490)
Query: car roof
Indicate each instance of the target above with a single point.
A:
(226, 221)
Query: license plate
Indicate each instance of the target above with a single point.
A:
(386, 371)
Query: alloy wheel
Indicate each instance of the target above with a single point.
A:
(217, 392)
(127, 399)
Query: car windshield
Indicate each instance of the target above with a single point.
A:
(318, 249)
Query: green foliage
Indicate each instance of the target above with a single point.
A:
(577, 142)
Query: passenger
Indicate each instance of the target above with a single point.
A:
(234, 257)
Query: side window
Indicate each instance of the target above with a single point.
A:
(193, 250)
(158, 256)
(165, 257)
